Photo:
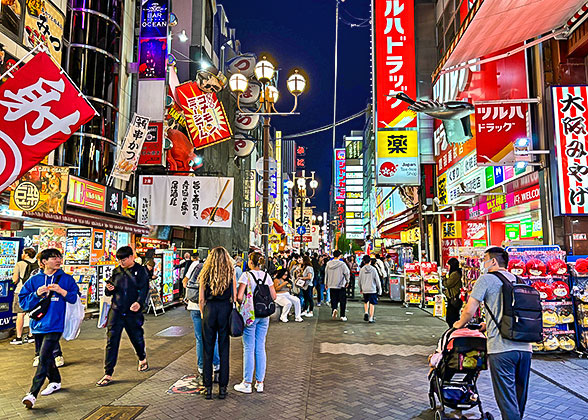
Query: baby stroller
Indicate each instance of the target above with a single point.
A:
(460, 357)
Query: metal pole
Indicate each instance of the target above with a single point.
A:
(265, 202)
(303, 224)
(335, 89)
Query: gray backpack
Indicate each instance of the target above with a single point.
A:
(193, 287)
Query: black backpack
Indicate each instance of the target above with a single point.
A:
(522, 318)
(263, 304)
(32, 268)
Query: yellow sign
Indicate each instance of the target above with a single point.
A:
(44, 22)
(395, 144)
(411, 236)
(451, 230)
(442, 189)
(42, 189)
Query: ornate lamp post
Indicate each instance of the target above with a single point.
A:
(296, 83)
(298, 187)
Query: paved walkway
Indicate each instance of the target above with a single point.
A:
(320, 369)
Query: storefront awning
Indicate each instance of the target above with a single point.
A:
(399, 222)
(498, 24)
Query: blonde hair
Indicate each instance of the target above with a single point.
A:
(218, 271)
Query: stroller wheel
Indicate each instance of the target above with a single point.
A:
(488, 416)
(432, 401)
(440, 415)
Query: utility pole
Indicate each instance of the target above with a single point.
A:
(265, 200)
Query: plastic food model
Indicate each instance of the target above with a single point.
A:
(550, 318)
(557, 267)
(560, 289)
(545, 290)
(536, 267)
(582, 266)
(516, 267)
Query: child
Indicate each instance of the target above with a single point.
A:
(369, 287)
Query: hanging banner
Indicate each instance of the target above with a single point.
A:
(43, 188)
(397, 158)
(393, 55)
(152, 152)
(205, 116)
(246, 122)
(128, 155)
(244, 64)
(39, 109)
(43, 22)
(570, 110)
(244, 144)
(185, 201)
(497, 128)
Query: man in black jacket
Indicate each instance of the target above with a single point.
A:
(128, 287)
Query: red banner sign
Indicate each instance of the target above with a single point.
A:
(570, 111)
(394, 60)
(497, 128)
(152, 151)
(39, 109)
(205, 116)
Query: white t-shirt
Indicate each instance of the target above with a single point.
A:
(247, 279)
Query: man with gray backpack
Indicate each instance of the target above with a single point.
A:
(513, 320)
(192, 288)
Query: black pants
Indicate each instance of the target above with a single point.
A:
(319, 291)
(215, 322)
(39, 340)
(46, 368)
(338, 296)
(453, 308)
(308, 302)
(133, 325)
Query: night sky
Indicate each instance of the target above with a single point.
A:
(302, 34)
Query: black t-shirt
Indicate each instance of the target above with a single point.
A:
(224, 296)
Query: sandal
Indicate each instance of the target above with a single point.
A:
(104, 381)
(143, 367)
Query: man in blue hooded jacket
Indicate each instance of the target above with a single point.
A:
(61, 288)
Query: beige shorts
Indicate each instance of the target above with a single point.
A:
(16, 306)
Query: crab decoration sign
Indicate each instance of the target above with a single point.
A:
(40, 109)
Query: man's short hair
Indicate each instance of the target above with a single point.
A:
(499, 254)
(195, 255)
(336, 253)
(48, 253)
(30, 252)
(124, 252)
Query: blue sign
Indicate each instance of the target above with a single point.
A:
(498, 175)
(301, 230)
(154, 17)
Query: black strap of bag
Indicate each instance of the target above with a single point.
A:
(41, 308)
(505, 282)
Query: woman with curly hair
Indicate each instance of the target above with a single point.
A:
(217, 288)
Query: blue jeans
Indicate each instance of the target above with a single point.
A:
(510, 372)
(254, 350)
(197, 320)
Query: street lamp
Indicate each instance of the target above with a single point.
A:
(265, 72)
(301, 192)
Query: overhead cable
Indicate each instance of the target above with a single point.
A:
(326, 127)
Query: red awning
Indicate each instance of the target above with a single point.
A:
(398, 223)
(499, 24)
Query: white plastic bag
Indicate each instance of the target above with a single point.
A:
(74, 315)
(105, 303)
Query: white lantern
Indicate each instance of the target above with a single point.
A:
(314, 184)
(272, 94)
(238, 83)
(264, 71)
(296, 83)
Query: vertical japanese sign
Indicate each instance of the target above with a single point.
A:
(43, 23)
(185, 200)
(497, 128)
(205, 116)
(570, 110)
(339, 175)
(130, 151)
(152, 152)
(394, 62)
(277, 205)
(300, 158)
(39, 109)
(397, 158)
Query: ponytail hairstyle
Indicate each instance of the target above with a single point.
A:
(257, 259)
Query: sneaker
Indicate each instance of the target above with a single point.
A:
(200, 371)
(18, 341)
(304, 313)
(30, 339)
(216, 368)
(29, 401)
(59, 361)
(318, 304)
(372, 320)
(309, 315)
(51, 388)
(366, 317)
(283, 319)
(335, 314)
(259, 386)
(36, 361)
(299, 319)
(344, 318)
(243, 387)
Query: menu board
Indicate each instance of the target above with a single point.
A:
(8, 257)
(52, 238)
(78, 246)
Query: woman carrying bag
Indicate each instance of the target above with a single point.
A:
(452, 284)
(254, 334)
(217, 287)
(308, 277)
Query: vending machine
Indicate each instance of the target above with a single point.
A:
(10, 250)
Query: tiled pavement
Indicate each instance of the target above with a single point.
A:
(321, 369)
